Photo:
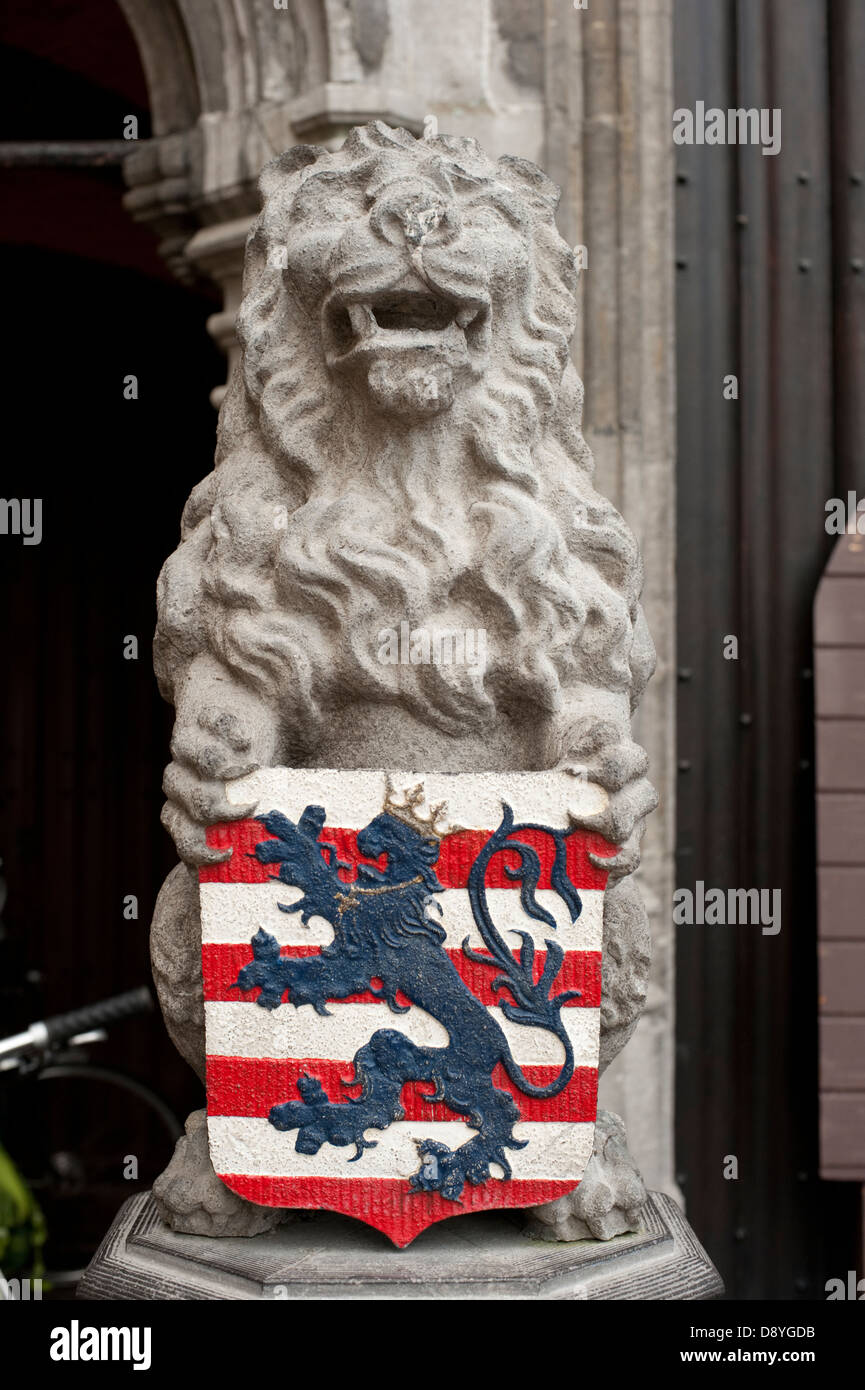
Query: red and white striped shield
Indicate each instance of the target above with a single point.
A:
(402, 982)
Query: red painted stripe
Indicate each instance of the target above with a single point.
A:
(250, 1086)
(456, 856)
(388, 1204)
(580, 970)
(458, 853)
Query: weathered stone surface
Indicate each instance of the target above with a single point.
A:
(608, 80)
(520, 23)
(320, 1256)
(400, 443)
(370, 22)
(608, 1201)
(194, 1199)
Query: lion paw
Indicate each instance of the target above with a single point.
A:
(605, 754)
(608, 1201)
(191, 1198)
(319, 1120)
(442, 1170)
(447, 1171)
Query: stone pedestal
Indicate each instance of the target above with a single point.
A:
(318, 1255)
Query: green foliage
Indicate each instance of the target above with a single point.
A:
(22, 1225)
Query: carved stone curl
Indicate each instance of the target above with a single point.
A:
(401, 443)
(191, 1198)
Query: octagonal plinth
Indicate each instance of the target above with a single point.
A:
(318, 1255)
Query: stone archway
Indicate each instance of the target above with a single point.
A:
(231, 85)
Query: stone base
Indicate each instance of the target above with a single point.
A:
(319, 1255)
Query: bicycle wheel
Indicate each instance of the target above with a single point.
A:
(81, 1172)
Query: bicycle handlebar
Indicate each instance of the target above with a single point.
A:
(61, 1027)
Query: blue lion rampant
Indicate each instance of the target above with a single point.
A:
(383, 932)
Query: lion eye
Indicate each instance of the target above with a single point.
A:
(325, 195)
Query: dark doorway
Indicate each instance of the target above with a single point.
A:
(83, 732)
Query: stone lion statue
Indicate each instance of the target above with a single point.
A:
(401, 441)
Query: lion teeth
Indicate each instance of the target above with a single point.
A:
(465, 316)
(361, 319)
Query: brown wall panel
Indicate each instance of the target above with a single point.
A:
(841, 827)
(840, 682)
(842, 975)
(839, 640)
(842, 901)
(842, 1132)
(841, 754)
(839, 614)
(842, 1054)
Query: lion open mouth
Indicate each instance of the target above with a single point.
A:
(410, 347)
(418, 311)
(401, 319)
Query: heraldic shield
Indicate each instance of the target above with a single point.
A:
(402, 982)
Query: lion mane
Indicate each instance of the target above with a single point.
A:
(401, 442)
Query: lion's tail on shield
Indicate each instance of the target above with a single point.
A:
(532, 1004)
(555, 1086)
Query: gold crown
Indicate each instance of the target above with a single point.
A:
(407, 811)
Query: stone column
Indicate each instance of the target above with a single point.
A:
(608, 145)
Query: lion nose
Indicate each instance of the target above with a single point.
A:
(415, 215)
(419, 221)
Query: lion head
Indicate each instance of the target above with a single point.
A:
(401, 443)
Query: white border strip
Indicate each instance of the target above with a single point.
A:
(246, 1030)
(353, 798)
(253, 1147)
(231, 914)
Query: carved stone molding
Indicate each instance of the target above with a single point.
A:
(608, 144)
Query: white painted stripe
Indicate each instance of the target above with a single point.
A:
(353, 798)
(253, 1147)
(231, 913)
(245, 1030)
